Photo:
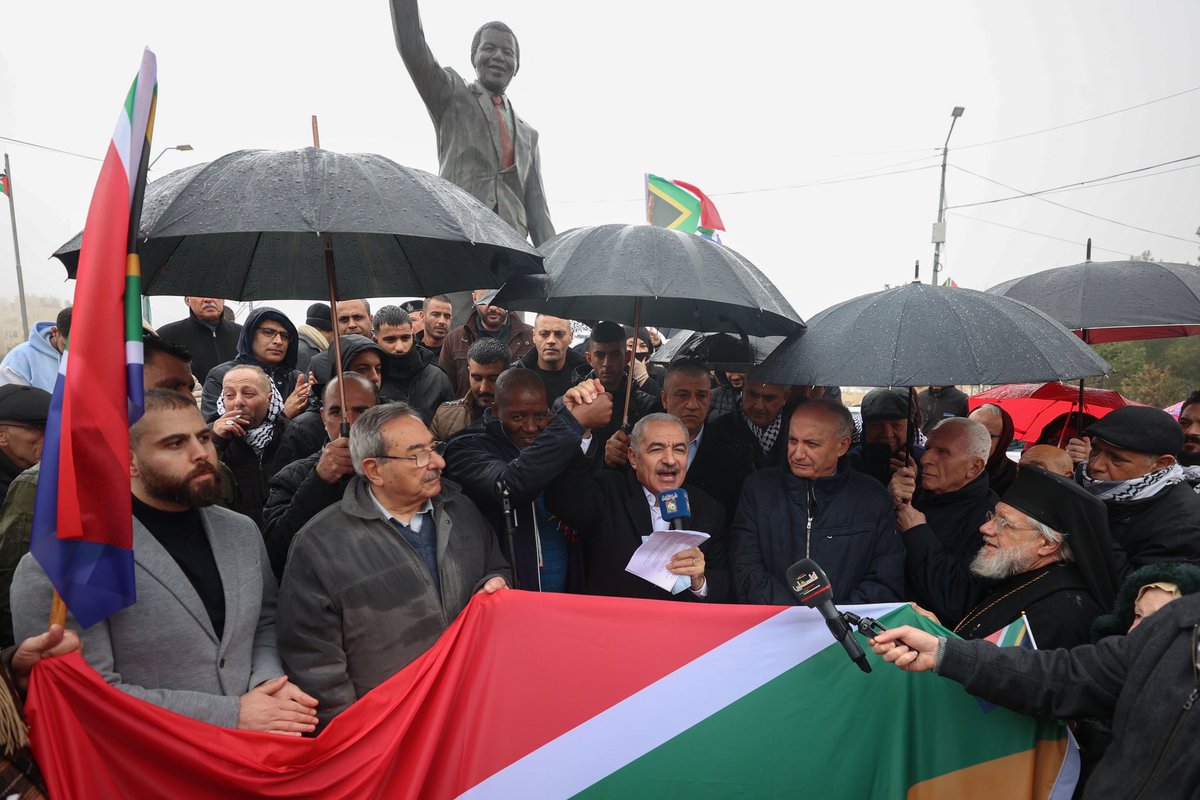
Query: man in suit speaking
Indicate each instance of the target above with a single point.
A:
(200, 640)
(483, 146)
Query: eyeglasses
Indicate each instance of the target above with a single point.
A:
(271, 333)
(421, 459)
(1001, 523)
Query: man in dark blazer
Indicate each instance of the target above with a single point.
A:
(200, 640)
(483, 146)
(207, 335)
(614, 511)
(718, 461)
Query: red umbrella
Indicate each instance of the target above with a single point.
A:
(1032, 405)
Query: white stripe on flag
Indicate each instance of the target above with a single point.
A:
(666, 708)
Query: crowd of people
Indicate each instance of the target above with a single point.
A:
(291, 520)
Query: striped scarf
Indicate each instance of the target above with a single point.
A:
(258, 438)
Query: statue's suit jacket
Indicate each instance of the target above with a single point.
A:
(468, 140)
(163, 648)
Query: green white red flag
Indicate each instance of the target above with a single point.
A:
(532, 695)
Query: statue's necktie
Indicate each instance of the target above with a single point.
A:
(506, 145)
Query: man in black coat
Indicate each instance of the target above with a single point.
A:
(268, 341)
(521, 450)
(760, 420)
(817, 507)
(1132, 466)
(615, 511)
(940, 521)
(885, 428)
(410, 372)
(941, 402)
(205, 333)
(247, 434)
(1146, 682)
(306, 487)
(718, 462)
(552, 356)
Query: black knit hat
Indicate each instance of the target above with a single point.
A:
(319, 317)
(1141, 429)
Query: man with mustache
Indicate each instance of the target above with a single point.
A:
(205, 333)
(615, 511)
(200, 640)
(818, 507)
(486, 359)
(486, 321)
(373, 580)
(439, 318)
(1189, 420)
(410, 372)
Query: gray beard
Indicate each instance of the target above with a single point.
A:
(1000, 564)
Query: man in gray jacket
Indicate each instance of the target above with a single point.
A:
(200, 640)
(371, 582)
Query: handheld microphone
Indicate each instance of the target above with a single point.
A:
(674, 508)
(812, 588)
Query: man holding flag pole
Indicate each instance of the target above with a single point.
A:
(124, 501)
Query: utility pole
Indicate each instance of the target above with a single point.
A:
(12, 210)
(939, 227)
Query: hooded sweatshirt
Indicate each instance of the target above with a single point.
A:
(33, 362)
(283, 374)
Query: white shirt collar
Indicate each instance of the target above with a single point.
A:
(414, 524)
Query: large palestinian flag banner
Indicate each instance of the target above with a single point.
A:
(555, 696)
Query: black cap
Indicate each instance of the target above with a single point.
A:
(1141, 429)
(413, 306)
(642, 334)
(24, 404)
(319, 317)
(884, 404)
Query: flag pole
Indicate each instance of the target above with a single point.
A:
(327, 241)
(12, 211)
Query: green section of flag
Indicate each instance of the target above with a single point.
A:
(826, 729)
(669, 206)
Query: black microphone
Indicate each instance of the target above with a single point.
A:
(813, 589)
(674, 508)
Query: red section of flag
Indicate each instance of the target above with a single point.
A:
(709, 217)
(513, 672)
(4, 184)
(93, 488)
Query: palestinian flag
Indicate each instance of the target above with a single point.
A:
(680, 206)
(556, 696)
(950, 282)
(4, 188)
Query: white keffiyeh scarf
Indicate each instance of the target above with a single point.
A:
(1134, 489)
(258, 438)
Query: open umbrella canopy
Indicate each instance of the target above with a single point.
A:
(245, 227)
(1032, 405)
(718, 350)
(681, 280)
(1115, 301)
(919, 335)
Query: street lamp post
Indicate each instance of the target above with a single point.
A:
(939, 227)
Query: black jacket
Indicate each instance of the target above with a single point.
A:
(479, 458)
(733, 426)
(721, 466)
(208, 347)
(854, 537)
(415, 378)
(251, 472)
(296, 495)
(1147, 682)
(608, 509)
(283, 374)
(640, 404)
(939, 553)
(935, 407)
(557, 383)
(8, 473)
(1165, 527)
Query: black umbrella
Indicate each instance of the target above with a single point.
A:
(642, 274)
(919, 335)
(265, 224)
(718, 350)
(1115, 301)
(245, 227)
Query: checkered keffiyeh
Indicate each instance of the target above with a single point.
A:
(766, 436)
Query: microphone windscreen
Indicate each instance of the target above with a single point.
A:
(808, 582)
(673, 504)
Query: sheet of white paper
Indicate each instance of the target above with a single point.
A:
(650, 560)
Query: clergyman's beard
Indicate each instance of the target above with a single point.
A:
(184, 492)
(998, 564)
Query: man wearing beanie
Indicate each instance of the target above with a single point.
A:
(1132, 465)
(885, 432)
(315, 334)
(1047, 555)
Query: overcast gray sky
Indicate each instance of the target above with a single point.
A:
(752, 101)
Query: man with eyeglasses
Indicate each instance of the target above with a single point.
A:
(552, 357)
(940, 521)
(520, 451)
(23, 413)
(372, 581)
(268, 341)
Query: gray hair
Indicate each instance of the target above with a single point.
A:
(639, 428)
(836, 410)
(366, 437)
(979, 441)
(1054, 537)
